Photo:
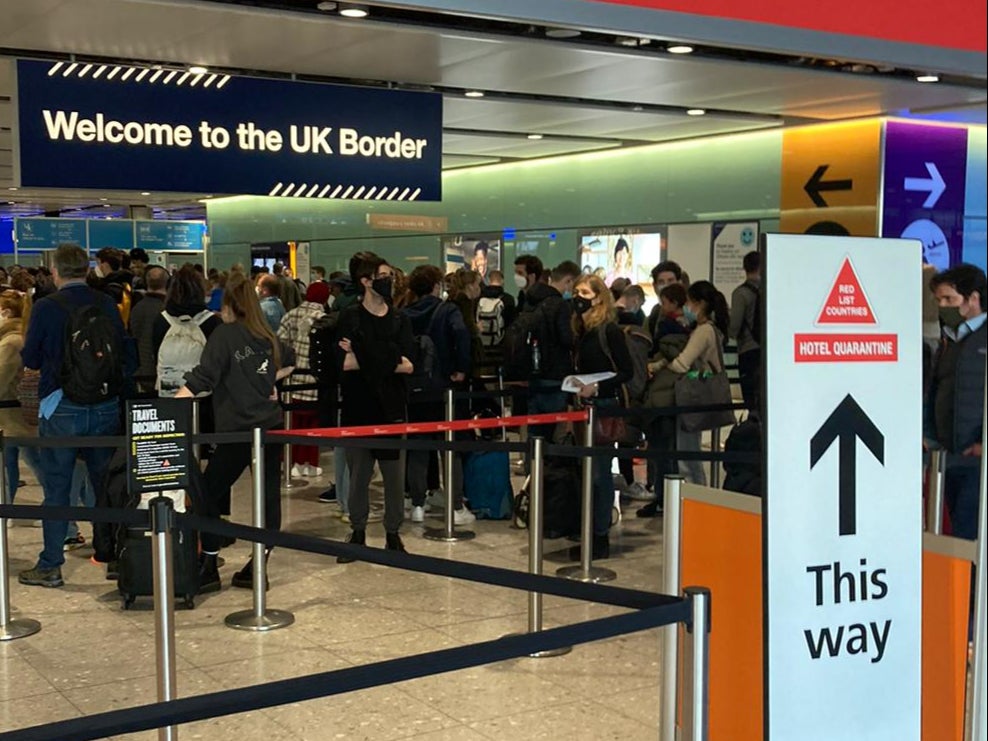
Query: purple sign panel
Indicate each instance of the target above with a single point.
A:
(925, 175)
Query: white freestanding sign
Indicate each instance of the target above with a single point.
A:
(843, 529)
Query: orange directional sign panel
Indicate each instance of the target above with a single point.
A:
(830, 179)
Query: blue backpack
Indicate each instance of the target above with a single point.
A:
(487, 485)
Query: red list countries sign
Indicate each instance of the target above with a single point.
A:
(846, 306)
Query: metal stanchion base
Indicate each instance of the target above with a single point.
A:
(270, 620)
(594, 575)
(440, 534)
(561, 651)
(20, 628)
(294, 484)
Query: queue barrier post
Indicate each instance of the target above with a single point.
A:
(260, 618)
(536, 512)
(671, 538)
(10, 629)
(288, 483)
(715, 465)
(161, 511)
(977, 711)
(696, 725)
(934, 496)
(586, 571)
(196, 447)
(448, 533)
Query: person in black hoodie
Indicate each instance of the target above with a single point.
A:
(443, 323)
(551, 299)
(240, 364)
(375, 350)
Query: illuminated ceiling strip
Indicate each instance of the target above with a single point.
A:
(157, 73)
(391, 195)
(185, 76)
(415, 194)
(142, 74)
(360, 191)
(288, 189)
(197, 79)
(338, 189)
(323, 192)
(224, 81)
(54, 68)
(85, 70)
(70, 69)
(128, 72)
(370, 193)
(113, 73)
(347, 193)
(170, 76)
(210, 80)
(100, 71)
(301, 190)
(404, 193)
(312, 190)
(275, 189)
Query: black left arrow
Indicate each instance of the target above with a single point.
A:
(848, 423)
(816, 185)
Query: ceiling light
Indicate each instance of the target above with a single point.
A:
(626, 41)
(680, 49)
(353, 10)
(927, 78)
(11, 203)
(106, 205)
(146, 193)
(561, 33)
(198, 69)
(474, 93)
(102, 199)
(637, 108)
(535, 137)
(695, 112)
(12, 187)
(327, 6)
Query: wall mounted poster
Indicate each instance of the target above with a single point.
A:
(611, 253)
(729, 243)
(480, 252)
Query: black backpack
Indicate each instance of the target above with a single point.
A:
(527, 331)
(744, 476)
(92, 365)
(426, 377)
(322, 348)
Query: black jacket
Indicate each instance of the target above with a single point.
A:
(957, 392)
(557, 350)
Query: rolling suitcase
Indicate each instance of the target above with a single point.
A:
(487, 484)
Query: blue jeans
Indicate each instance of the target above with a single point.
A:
(81, 494)
(12, 456)
(72, 420)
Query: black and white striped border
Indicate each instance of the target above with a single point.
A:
(317, 190)
(148, 75)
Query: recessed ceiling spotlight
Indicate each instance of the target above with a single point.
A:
(474, 93)
(106, 205)
(353, 10)
(11, 203)
(326, 6)
(535, 137)
(198, 69)
(626, 41)
(146, 193)
(695, 112)
(927, 78)
(102, 199)
(12, 187)
(561, 33)
(637, 108)
(680, 49)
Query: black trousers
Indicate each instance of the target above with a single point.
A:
(749, 371)
(224, 468)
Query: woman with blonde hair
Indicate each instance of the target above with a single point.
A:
(12, 418)
(240, 364)
(600, 348)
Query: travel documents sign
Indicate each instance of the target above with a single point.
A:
(158, 447)
(106, 126)
(842, 511)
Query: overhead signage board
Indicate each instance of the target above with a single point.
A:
(117, 233)
(83, 125)
(925, 179)
(167, 236)
(842, 510)
(42, 233)
(830, 179)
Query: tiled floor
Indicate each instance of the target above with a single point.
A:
(91, 656)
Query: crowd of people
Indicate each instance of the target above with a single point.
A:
(375, 346)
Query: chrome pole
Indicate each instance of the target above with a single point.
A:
(10, 629)
(287, 481)
(448, 533)
(260, 618)
(934, 497)
(697, 664)
(161, 513)
(671, 533)
(196, 448)
(586, 571)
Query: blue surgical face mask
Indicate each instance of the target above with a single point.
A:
(689, 314)
(567, 295)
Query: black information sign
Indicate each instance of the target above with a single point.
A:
(158, 444)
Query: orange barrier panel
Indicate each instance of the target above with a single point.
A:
(722, 550)
(946, 594)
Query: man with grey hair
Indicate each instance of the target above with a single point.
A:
(76, 339)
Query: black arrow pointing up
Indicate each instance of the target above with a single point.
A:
(848, 422)
(816, 185)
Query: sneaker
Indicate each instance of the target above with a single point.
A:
(315, 471)
(38, 577)
(328, 496)
(73, 543)
(639, 493)
(356, 537)
(418, 514)
(393, 543)
(436, 498)
(296, 471)
(345, 517)
(463, 516)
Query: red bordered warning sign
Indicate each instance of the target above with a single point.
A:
(847, 302)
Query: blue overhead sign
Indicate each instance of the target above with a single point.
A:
(118, 233)
(47, 233)
(84, 125)
(170, 235)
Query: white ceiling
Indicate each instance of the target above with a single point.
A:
(601, 85)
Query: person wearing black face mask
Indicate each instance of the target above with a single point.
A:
(955, 399)
(375, 345)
